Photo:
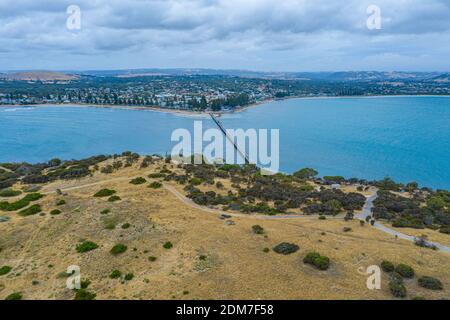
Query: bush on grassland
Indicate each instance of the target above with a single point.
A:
(129, 276)
(115, 274)
(55, 212)
(14, 296)
(168, 245)
(257, 229)
(114, 199)
(317, 260)
(286, 248)
(83, 294)
(61, 202)
(6, 193)
(405, 271)
(397, 288)
(86, 246)
(138, 181)
(104, 193)
(155, 185)
(430, 283)
(387, 266)
(118, 249)
(34, 209)
(5, 270)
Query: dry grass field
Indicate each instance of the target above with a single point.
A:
(211, 258)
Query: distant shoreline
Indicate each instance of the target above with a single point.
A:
(206, 113)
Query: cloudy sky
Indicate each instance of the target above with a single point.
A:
(270, 35)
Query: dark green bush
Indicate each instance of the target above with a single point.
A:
(104, 193)
(317, 260)
(286, 248)
(84, 284)
(105, 211)
(14, 296)
(34, 209)
(155, 185)
(430, 283)
(114, 199)
(86, 246)
(152, 259)
(118, 249)
(6, 193)
(445, 230)
(61, 202)
(129, 277)
(257, 229)
(397, 288)
(138, 181)
(55, 212)
(5, 270)
(405, 271)
(168, 245)
(387, 266)
(126, 226)
(84, 294)
(115, 274)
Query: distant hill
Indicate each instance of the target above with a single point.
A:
(323, 76)
(444, 78)
(44, 76)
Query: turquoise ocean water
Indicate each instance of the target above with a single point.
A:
(406, 138)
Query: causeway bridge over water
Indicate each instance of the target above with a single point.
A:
(236, 147)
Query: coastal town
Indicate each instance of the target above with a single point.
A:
(200, 92)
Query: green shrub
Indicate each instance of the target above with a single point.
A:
(126, 226)
(138, 181)
(86, 246)
(129, 277)
(5, 270)
(114, 198)
(152, 259)
(397, 288)
(34, 209)
(115, 274)
(105, 211)
(84, 284)
(110, 226)
(286, 248)
(196, 181)
(317, 260)
(6, 193)
(387, 266)
(61, 202)
(104, 193)
(156, 175)
(405, 271)
(430, 283)
(266, 250)
(322, 217)
(32, 197)
(167, 245)
(14, 296)
(257, 229)
(118, 249)
(83, 294)
(55, 212)
(155, 185)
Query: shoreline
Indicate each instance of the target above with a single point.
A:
(192, 113)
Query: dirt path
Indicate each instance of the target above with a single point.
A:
(367, 210)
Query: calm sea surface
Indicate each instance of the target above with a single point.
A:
(406, 138)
